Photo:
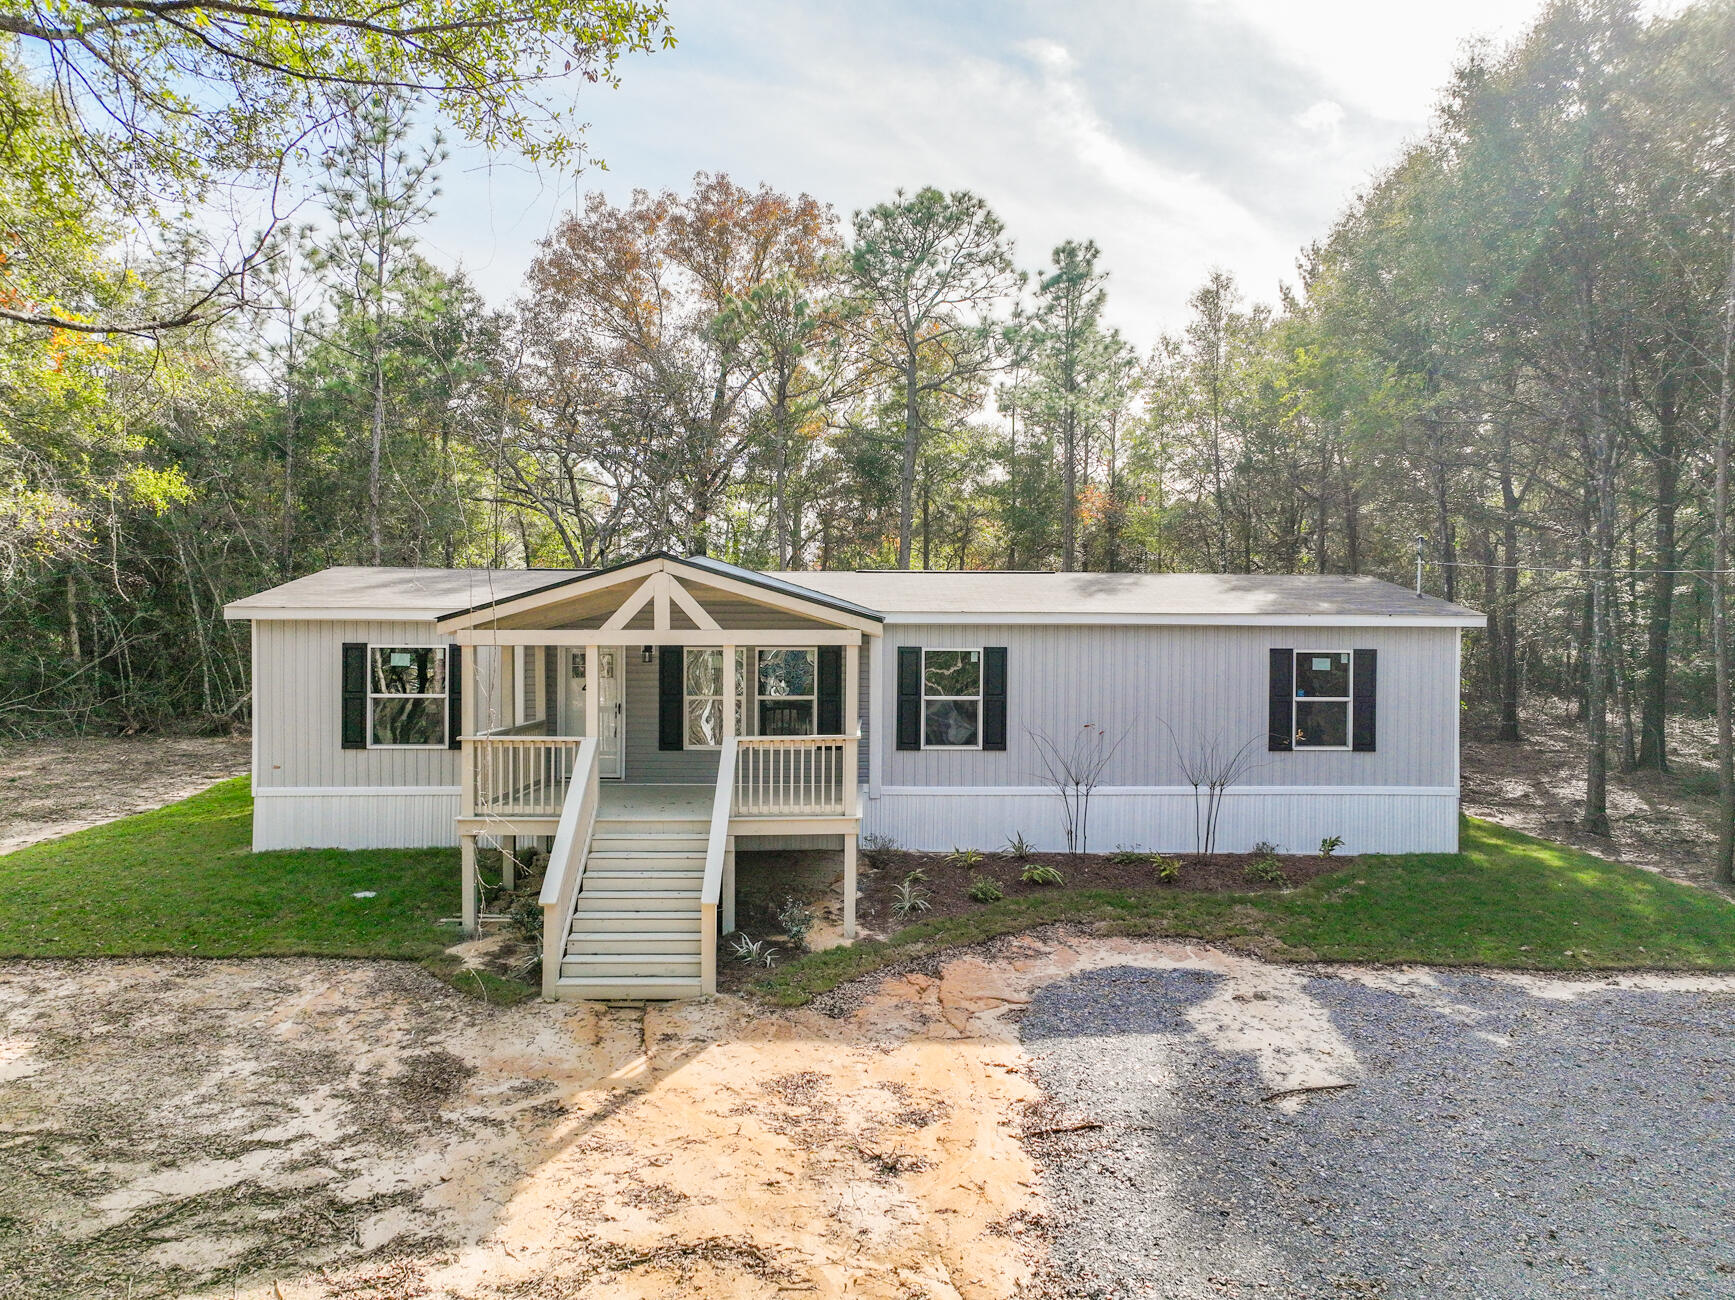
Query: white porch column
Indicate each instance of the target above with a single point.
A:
(876, 739)
(729, 701)
(467, 866)
(728, 899)
(849, 846)
(851, 781)
(593, 688)
(467, 714)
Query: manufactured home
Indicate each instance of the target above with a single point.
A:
(650, 719)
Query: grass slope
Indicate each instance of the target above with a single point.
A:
(1507, 899)
(183, 880)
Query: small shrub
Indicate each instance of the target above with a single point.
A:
(1040, 873)
(1265, 849)
(1128, 855)
(524, 915)
(876, 847)
(1168, 869)
(966, 859)
(1266, 870)
(909, 898)
(1018, 848)
(752, 952)
(796, 918)
(984, 890)
(1330, 845)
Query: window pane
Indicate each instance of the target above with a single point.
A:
(409, 722)
(1321, 674)
(705, 722)
(409, 670)
(786, 672)
(952, 672)
(785, 717)
(950, 722)
(704, 672)
(1320, 723)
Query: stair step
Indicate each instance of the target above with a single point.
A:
(617, 920)
(617, 857)
(636, 827)
(629, 878)
(637, 900)
(617, 843)
(632, 941)
(629, 964)
(628, 988)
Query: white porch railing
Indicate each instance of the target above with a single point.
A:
(521, 776)
(795, 776)
(565, 874)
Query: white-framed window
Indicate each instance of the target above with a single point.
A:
(702, 689)
(952, 699)
(788, 691)
(1324, 687)
(406, 697)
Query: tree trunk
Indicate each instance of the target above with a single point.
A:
(1507, 612)
(907, 473)
(377, 445)
(1720, 631)
(1666, 473)
(1596, 667)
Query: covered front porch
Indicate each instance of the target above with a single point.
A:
(681, 705)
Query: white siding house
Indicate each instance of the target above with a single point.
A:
(415, 707)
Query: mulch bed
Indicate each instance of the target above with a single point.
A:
(948, 884)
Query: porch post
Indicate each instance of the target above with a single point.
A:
(467, 865)
(593, 687)
(849, 845)
(728, 698)
(728, 899)
(467, 728)
(850, 782)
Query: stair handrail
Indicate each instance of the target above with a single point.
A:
(566, 860)
(716, 847)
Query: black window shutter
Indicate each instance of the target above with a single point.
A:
(994, 697)
(830, 722)
(454, 697)
(1282, 711)
(354, 695)
(671, 698)
(1364, 691)
(909, 697)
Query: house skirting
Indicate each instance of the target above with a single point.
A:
(354, 817)
(1396, 819)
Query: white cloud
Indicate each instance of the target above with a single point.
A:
(1325, 116)
(1181, 135)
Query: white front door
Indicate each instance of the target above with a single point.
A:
(611, 705)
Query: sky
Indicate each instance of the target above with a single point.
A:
(1181, 135)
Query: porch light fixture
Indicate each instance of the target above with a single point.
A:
(649, 654)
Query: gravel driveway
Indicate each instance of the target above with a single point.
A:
(1498, 1137)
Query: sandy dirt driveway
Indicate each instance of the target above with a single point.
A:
(312, 1129)
(54, 787)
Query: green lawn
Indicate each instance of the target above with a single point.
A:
(182, 880)
(1507, 899)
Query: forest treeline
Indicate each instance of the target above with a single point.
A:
(1510, 357)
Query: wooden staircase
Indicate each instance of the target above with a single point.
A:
(635, 920)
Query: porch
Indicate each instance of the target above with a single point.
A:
(643, 719)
